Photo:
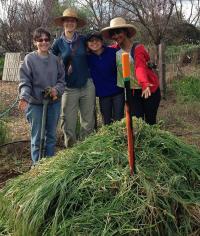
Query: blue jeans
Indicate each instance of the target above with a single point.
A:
(34, 117)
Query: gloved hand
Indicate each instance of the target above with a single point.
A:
(22, 105)
(54, 93)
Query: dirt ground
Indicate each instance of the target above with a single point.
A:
(181, 119)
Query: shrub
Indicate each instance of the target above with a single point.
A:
(188, 89)
(173, 53)
(1, 66)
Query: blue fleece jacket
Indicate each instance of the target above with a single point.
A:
(104, 72)
(74, 54)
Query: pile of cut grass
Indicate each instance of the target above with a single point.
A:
(87, 190)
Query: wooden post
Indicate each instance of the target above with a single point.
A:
(162, 69)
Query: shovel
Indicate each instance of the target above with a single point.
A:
(129, 125)
(46, 99)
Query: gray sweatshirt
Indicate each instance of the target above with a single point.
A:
(39, 72)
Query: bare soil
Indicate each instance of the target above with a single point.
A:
(181, 119)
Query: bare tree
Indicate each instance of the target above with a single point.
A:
(21, 19)
(47, 5)
(99, 12)
(193, 11)
(153, 15)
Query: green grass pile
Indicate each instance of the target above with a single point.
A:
(87, 190)
(188, 89)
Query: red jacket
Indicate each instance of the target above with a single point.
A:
(144, 75)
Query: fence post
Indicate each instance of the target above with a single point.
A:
(162, 69)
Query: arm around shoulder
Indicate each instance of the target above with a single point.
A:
(54, 48)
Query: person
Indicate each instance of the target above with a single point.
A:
(144, 82)
(79, 94)
(102, 64)
(41, 70)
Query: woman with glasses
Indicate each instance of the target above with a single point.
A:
(39, 71)
(79, 95)
(144, 82)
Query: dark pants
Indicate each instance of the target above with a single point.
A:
(112, 108)
(146, 108)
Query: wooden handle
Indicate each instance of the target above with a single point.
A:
(126, 70)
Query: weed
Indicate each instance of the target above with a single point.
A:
(188, 89)
(3, 132)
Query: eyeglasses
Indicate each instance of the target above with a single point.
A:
(112, 32)
(42, 40)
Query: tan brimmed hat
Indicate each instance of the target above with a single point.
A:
(117, 23)
(69, 12)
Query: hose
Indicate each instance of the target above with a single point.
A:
(10, 108)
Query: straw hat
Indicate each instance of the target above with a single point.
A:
(117, 23)
(69, 12)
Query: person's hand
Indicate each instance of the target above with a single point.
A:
(22, 105)
(146, 93)
(54, 93)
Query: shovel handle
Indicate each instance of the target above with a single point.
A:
(126, 70)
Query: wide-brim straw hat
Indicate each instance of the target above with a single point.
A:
(69, 12)
(117, 23)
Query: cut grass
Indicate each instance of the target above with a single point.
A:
(87, 190)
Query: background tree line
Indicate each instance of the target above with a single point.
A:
(157, 20)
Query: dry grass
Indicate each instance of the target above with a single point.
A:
(14, 160)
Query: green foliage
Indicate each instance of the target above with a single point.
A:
(188, 89)
(3, 228)
(1, 66)
(1, 61)
(184, 33)
(88, 190)
(181, 48)
(173, 52)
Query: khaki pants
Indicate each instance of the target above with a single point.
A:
(74, 100)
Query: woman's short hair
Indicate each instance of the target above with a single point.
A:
(38, 33)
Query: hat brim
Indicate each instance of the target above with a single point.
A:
(59, 21)
(132, 30)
